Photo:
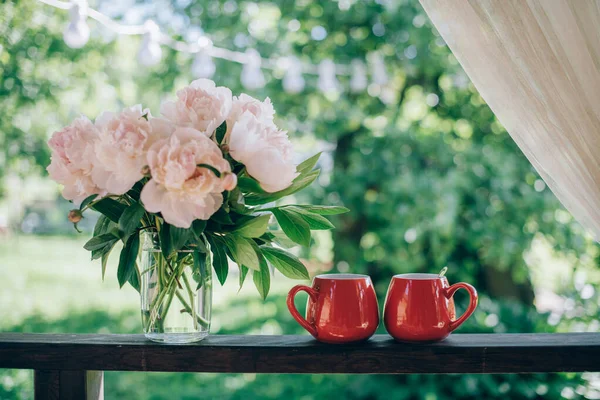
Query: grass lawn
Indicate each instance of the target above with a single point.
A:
(54, 277)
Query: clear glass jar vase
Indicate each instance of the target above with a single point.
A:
(176, 292)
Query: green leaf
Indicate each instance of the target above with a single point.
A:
(249, 185)
(98, 242)
(103, 225)
(255, 227)
(127, 265)
(199, 272)
(134, 280)
(104, 261)
(117, 233)
(280, 238)
(173, 238)
(136, 191)
(96, 254)
(242, 251)
(226, 195)
(220, 132)
(197, 230)
(198, 227)
(131, 219)
(210, 167)
(299, 183)
(286, 263)
(237, 202)
(222, 217)
(87, 201)
(243, 273)
(307, 165)
(262, 278)
(322, 210)
(315, 221)
(165, 240)
(201, 246)
(179, 236)
(293, 226)
(111, 208)
(220, 264)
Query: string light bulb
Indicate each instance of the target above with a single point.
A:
(150, 52)
(358, 81)
(252, 76)
(327, 79)
(203, 65)
(293, 81)
(378, 72)
(77, 33)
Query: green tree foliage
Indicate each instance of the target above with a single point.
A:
(41, 83)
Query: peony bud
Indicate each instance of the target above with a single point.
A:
(146, 171)
(75, 216)
(229, 181)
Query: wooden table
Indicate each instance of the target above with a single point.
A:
(69, 366)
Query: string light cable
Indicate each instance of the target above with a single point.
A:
(77, 33)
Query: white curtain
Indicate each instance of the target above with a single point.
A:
(537, 65)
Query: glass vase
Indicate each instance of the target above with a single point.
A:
(176, 292)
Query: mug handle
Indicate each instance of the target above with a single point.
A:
(292, 307)
(472, 303)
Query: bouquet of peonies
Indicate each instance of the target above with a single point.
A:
(196, 181)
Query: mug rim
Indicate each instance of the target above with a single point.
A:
(342, 277)
(418, 276)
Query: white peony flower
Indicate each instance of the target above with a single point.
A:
(180, 189)
(73, 159)
(265, 150)
(121, 148)
(202, 106)
(262, 110)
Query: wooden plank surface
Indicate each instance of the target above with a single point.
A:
(68, 385)
(46, 385)
(460, 353)
(72, 385)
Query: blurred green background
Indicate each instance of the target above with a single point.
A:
(431, 177)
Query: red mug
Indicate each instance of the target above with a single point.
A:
(341, 308)
(420, 307)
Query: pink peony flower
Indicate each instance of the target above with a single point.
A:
(124, 139)
(262, 110)
(72, 160)
(202, 106)
(265, 150)
(180, 189)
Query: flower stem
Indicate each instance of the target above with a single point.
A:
(188, 310)
(192, 302)
(168, 289)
